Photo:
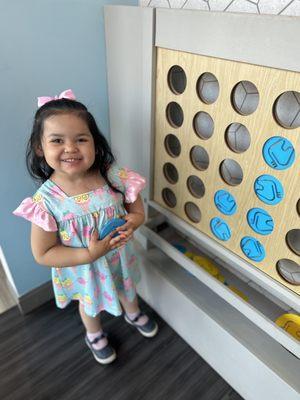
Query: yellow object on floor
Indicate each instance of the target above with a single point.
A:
(211, 268)
(238, 292)
(189, 254)
(221, 278)
(290, 323)
(206, 264)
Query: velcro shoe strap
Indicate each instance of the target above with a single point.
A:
(141, 314)
(96, 340)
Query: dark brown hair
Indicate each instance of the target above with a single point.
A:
(37, 165)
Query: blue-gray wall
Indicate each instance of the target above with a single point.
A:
(46, 46)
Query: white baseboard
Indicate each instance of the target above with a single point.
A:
(8, 274)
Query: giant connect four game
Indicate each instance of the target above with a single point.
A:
(226, 158)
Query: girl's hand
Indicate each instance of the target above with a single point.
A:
(133, 221)
(98, 248)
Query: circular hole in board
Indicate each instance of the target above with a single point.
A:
(289, 270)
(196, 186)
(177, 79)
(286, 109)
(192, 211)
(203, 125)
(237, 137)
(170, 172)
(199, 158)
(172, 145)
(208, 88)
(293, 240)
(174, 114)
(169, 197)
(245, 97)
(231, 172)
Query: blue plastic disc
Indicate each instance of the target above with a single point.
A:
(220, 229)
(252, 248)
(180, 247)
(260, 221)
(278, 152)
(225, 202)
(268, 189)
(110, 226)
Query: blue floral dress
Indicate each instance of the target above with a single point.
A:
(95, 285)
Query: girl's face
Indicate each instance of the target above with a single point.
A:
(67, 145)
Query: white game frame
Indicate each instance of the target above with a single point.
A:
(253, 360)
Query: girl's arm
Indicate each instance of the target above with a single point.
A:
(48, 251)
(134, 218)
(136, 214)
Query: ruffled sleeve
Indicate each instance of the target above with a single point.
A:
(128, 181)
(32, 210)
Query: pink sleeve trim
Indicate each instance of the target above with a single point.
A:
(33, 212)
(134, 184)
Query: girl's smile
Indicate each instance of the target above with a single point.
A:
(72, 161)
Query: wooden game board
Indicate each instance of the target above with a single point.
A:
(261, 124)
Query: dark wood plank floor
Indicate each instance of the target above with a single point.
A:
(43, 357)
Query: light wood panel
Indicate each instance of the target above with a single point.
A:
(261, 125)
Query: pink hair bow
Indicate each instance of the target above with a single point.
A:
(66, 94)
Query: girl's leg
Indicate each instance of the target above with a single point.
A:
(93, 328)
(92, 324)
(144, 324)
(132, 309)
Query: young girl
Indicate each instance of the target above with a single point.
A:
(82, 190)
